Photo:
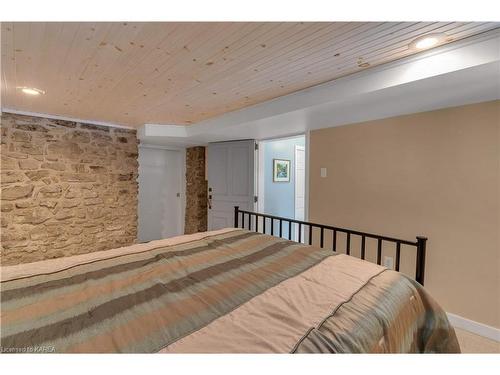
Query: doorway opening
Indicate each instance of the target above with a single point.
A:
(281, 175)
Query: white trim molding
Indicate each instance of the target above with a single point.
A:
(307, 177)
(183, 191)
(261, 192)
(64, 118)
(480, 329)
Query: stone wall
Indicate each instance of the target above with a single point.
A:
(66, 188)
(196, 191)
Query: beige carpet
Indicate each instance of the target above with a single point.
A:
(471, 343)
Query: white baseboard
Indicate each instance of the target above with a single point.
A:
(478, 328)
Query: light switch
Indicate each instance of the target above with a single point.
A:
(323, 172)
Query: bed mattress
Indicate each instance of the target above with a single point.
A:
(227, 291)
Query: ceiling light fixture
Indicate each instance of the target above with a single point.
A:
(31, 91)
(427, 41)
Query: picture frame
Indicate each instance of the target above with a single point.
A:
(281, 170)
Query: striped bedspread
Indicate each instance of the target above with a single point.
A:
(225, 291)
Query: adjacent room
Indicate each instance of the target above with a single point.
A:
(250, 187)
(281, 179)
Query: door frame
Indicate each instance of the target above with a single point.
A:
(182, 150)
(297, 148)
(295, 234)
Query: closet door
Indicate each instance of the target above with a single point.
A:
(231, 181)
(160, 188)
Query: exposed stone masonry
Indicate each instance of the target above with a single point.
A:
(196, 191)
(66, 188)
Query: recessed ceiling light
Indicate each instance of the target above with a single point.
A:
(427, 41)
(31, 91)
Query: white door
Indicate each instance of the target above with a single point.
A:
(160, 187)
(230, 181)
(300, 185)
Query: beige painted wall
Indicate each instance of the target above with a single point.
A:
(435, 174)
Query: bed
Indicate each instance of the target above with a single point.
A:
(228, 291)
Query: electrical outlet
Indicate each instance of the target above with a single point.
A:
(323, 172)
(389, 262)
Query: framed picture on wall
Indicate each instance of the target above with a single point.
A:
(281, 170)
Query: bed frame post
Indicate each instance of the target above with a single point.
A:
(236, 216)
(421, 247)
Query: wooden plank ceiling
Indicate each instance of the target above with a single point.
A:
(182, 73)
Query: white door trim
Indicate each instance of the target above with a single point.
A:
(230, 184)
(182, 217)
(298, 148)
(259, 173)
(306, 193)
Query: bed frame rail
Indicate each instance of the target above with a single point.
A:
(419, 244)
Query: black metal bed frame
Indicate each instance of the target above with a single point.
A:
(420, 243)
